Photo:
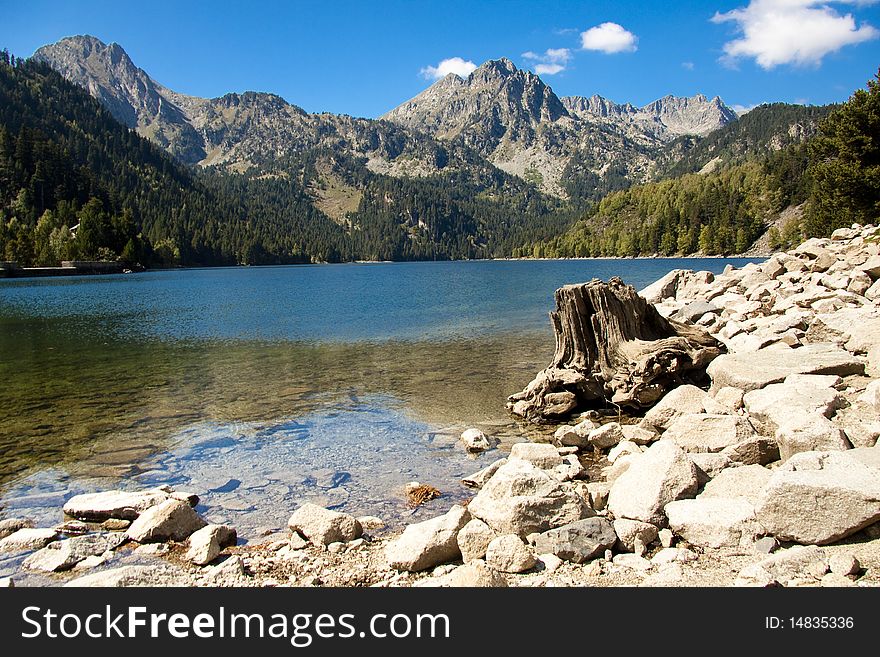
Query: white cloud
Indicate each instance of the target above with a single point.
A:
(743, 109)
(455, 65)
(551, 62)
(800, 32)
(688, 66)
(609, 38)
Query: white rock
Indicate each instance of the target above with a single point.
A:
(667, 538)
(474, 574)
(808, 433)
(844, 564)
(598, 492)
(797, 396)
(714, 521)
(541, 455)
(206, 543)
(662, 474)
(371, 523)
(785, 566)
(509, 554)
(608, 435)
(521, 499)
(820, 497)
(27, 538)
(64, 555)
(323, 526)
(747, 482)
(630, 531)
(638, 434)
(671, 555)
(125, 505)
(473, 540)
(11, 525)
(170, 520)
(757, 450)
(677, 402)
(730, 398)
(709, 464)
(871, 396)
(426, 544)
(624, 447)
(701, 432)
(475, 440)
(751, 371)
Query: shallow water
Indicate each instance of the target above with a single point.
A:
(260, 388)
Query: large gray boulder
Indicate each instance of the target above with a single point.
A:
(662, 474)
(579, 541)
(521, 499)
(171, 520)
(702, 432)
(820, 497)
(714, 521)
(64, 555)
(751, 371)
(125, 505)
(323, 526)
(427, 544)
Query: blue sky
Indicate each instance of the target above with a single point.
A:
(365, 57)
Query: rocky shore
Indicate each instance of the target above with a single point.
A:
(769, 477)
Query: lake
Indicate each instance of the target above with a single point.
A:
(262, 388)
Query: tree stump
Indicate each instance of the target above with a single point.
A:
(612, 347)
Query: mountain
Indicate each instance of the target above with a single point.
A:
(571, 147)
(236, 131)
(517, 122)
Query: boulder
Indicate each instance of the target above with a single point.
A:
(622, 448)
(606, 436)
(702, 432)
(751, 371)
(128, 576)
(809, 433)
(575, 436)
(796, 396)
(662, 474)
(427, 544)
(730, 398)
(475, 440)
(640, 435)
(125, 505)
(171, 520)
(27, 538)
(630, 531)
(579, 541)
(757, 450)
(714, 521)
(474, 574)
(844, 564)
(541, 455)
(11, 525)
(473, 540)
(477, 479)
(871, 396)
(785, 566)
(509, 554)
(709, 464)
(64, 555)
(820, 497)
(679, 401)
(206, 543)
(323, 526)
(521, 499)
(747, 482)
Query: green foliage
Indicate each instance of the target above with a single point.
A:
(845, 164)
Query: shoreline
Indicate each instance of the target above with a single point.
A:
(811, 313)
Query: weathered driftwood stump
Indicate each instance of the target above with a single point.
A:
(612, 347)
